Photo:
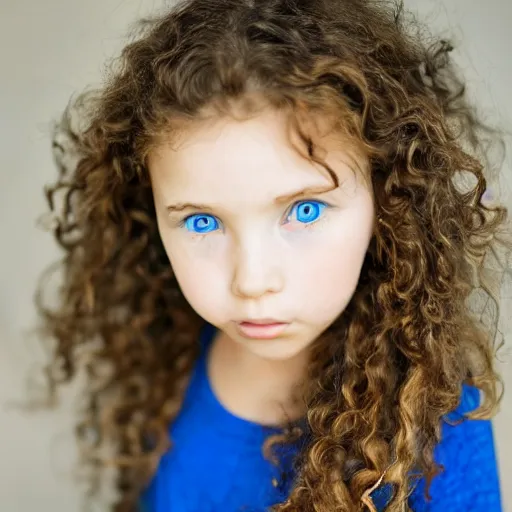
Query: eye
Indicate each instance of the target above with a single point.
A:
(306, 212)
(201, 223)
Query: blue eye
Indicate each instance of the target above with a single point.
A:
(201, 223)
(307, 211)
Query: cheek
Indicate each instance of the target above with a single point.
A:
(198, 273)
(330, 273)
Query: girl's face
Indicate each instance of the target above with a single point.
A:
(252, 235)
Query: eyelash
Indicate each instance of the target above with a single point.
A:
(307, 225)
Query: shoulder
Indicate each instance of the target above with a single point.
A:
(466, 453)
(206, 335)
(466, 440)
(469, 401)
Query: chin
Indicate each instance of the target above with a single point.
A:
(279, 349)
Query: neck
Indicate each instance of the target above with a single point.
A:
(253, 388)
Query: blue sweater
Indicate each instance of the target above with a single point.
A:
(216, 464)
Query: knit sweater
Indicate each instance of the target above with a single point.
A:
(216, 464)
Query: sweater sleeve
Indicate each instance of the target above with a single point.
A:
(470, 479)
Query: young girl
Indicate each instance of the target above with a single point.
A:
(270, 250)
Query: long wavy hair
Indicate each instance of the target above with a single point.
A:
(385, 374)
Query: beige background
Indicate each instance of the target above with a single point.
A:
(50, 49)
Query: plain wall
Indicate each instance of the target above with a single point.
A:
(50, 49)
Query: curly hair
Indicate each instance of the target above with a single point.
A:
(384, 375)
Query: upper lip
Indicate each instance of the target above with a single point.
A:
(261, 321)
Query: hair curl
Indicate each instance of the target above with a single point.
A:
(384, 375)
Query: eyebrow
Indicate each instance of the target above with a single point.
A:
(285, 198)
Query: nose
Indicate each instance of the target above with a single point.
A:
(257, 271)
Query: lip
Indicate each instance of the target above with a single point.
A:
(261, 329)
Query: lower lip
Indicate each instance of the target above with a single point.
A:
(261, 331)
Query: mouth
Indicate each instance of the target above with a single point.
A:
(261, 329)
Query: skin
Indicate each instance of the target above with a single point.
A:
(295, 261)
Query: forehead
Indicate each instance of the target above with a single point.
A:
(246, 158)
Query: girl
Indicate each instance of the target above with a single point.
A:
(269, 256)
